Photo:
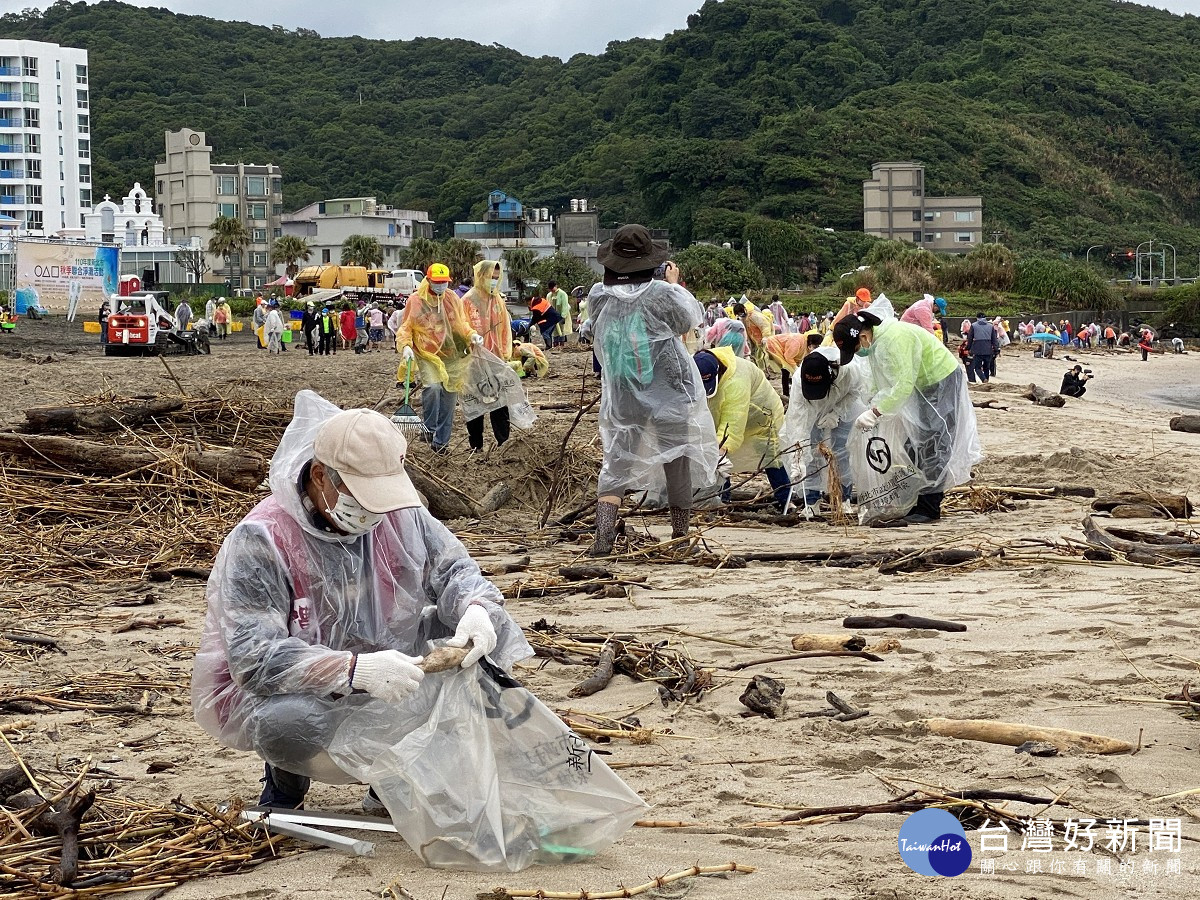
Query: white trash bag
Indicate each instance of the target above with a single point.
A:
(491, 384)
(886, 476)
(478, 774)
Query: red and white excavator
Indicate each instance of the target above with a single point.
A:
(139, 324)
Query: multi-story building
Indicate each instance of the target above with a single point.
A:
(45, 136)
(193, 192)
(325, 225)
(509, 226)
(895, 206)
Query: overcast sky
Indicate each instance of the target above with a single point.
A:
(534, 27)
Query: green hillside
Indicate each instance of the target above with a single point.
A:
(1078, 123)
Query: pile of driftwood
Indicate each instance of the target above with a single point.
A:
(88, 843)
(122, 693)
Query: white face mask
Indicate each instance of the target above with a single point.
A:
(438, 287)
(495, 282)
(348, 514)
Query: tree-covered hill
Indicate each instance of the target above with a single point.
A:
(1078, 123)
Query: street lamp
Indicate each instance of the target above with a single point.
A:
(1086, 256)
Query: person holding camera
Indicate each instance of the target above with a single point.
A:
(1074, 383)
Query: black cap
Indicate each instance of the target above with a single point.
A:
(816, 375)
(845, 336)
(710, 369)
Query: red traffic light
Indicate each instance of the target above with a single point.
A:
(1129, 254)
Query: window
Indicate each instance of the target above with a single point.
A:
(324, 256)
(60, 120)
(916, 215)
(33, 219)
(345, 207)
(34, 169)
(85, 174)
(258, 281)
(258, 259)
(916, 237)
(29, 66)
(32, 117)
(259, 236)
(227, 185)
(276, 185)
(961, 216)
(58, 69)
(33, 194)
(30, 92)
(929, 216)
(931, 236)
(83, 124)
(407, 230)
(33, 143)
(81, 74)
(85, 196)
(256, 186)
(277, 209)
(228, 210)
(276, 232)
(963, 237)
(258, 210)
(81, 99)
(161, 187)
(85, 147)
(60, 147)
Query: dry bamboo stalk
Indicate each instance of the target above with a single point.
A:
(502, 893)
(1014, 735)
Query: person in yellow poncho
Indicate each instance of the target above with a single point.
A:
(489, 316)
(748, 416)
(528, 359)
(562, 302)
(436, 332)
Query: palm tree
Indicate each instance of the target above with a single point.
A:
(461, 255)
(421, 253)
(362, 250)
(229, 239)
(518, 262)
(290, 250)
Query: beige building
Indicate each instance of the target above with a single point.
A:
(895, 206)
(325, 225)
(193, 192)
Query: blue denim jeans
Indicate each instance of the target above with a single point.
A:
(437, 411)
(981, 366)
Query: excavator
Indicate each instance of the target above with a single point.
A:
(140, 325)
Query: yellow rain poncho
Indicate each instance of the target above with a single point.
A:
(562, 302)
(488, 312)
(747, 413)
(439, 331)
(528, 359)
(786, 350)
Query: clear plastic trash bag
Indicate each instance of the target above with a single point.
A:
(886, 476)
(491, 384)
(478, 774)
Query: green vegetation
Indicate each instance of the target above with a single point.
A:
(229, 240)
(1076, 122)
(290, 250)
(709, 271)
(568, 271)
(362, 250)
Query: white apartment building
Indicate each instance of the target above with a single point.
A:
(325, 225)
(45, 136)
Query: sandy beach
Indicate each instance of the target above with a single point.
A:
(1052, 640)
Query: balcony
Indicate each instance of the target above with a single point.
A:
(11, 123)
(11, 148)
(12, 173)
(10, 71)
(10, 98)
(18, 200)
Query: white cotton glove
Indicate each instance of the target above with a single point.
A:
(724, 468)
(406, 355)
(475, 627)
(388, 674)
(867, 420)
(477, 340)
(829, 421)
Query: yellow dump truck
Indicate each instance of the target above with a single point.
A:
(354, 282)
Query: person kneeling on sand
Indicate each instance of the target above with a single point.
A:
(1074, 383)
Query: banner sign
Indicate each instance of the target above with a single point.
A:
(62, 275)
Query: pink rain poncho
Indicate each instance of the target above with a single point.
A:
(921, 313)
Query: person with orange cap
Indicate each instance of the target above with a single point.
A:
(437, 333)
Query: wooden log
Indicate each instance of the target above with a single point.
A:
(1043, 397)
(497, 497)
(12, 781)
(1136, 511)
(901, 620)
(857, 654)
(989, 404)
(828, 642)
(600, 678)
(1189, 424)
(1176, 506)
(1014, 735)
(584, 573)
(764, 696)
(65, 822)
(241, 470)
(136, 622)
(98, 418)
(443, 504)
(1099, 537)
(928, 559)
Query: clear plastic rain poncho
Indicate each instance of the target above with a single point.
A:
(747, 414)
(491, 384)
(475, 772)
(652, 405)
(727, 333)
(439, 331)
(487, 310)
(846, 400)
(926, 440)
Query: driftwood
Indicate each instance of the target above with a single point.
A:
(1144, 544)
(858, 654)
(1038, 492)
(507, 568)
(989, 404)
(65, 822)
(901, 620)
(1014, 735)
(1190, 424)
(497, 497)
(584, 573)
(443, 504)
(444, 658)
(764, 696)
(828, 642)
(235, 469)
(600, 678)
(136, 622)
(98, 418)
(196, 572)
(36, 640)
(13, 781)
(890, 562)
(928, 558)
(1175, 506)
(1043, 397)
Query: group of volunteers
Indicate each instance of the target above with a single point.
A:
(686, 404)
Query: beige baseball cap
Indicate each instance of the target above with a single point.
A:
(367, 449)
